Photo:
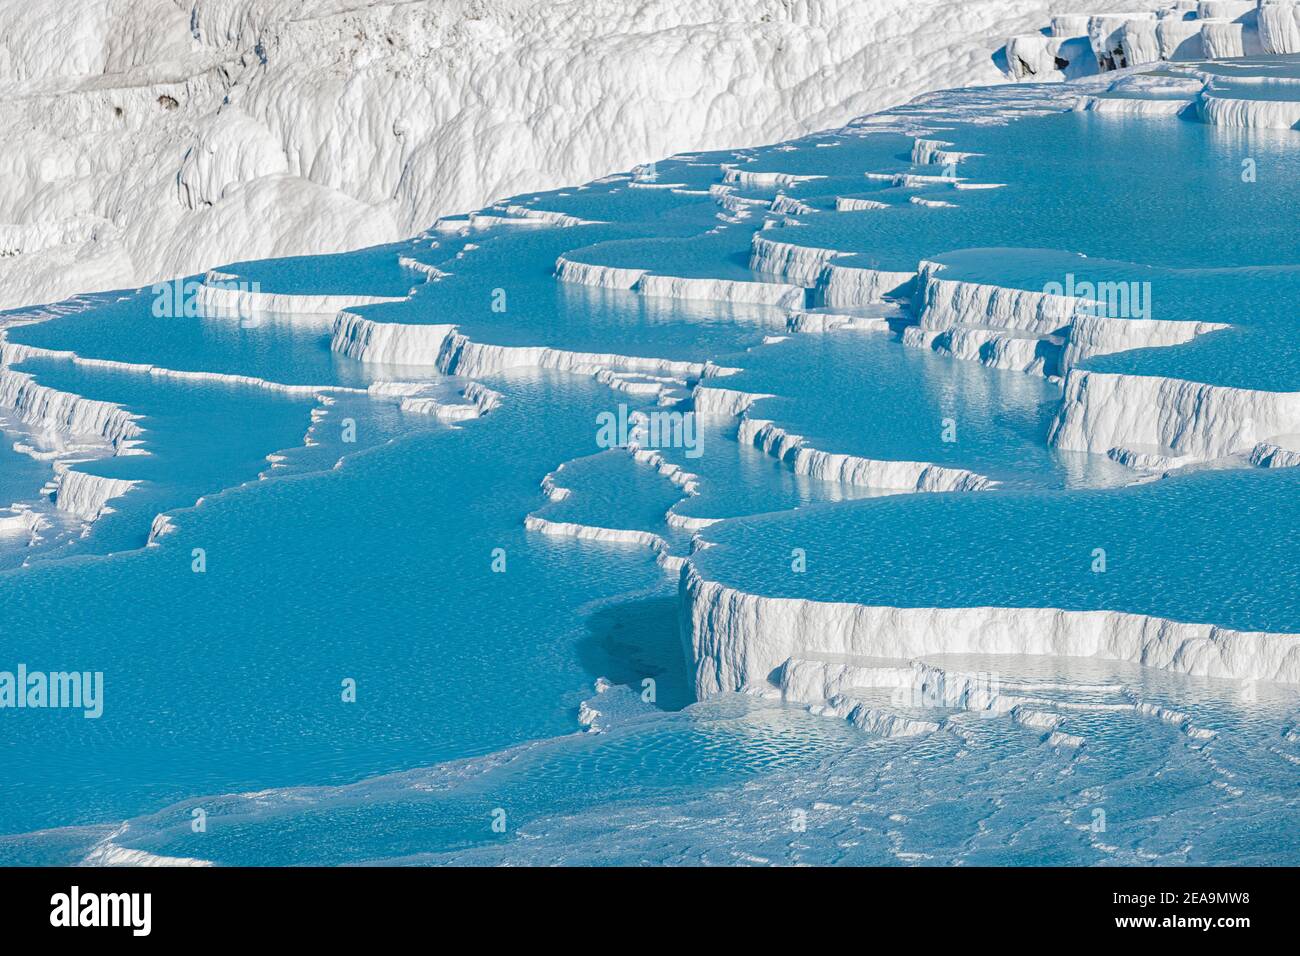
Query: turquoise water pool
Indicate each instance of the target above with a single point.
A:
(375, 659)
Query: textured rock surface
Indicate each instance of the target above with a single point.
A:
(171, 136)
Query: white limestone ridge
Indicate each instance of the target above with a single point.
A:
(21, 521)
(506, 214)
(919, 693)
(459, 355)
(597, 276)
(801, 265)
(1275, 455)
(715, 402)
(68, 429)
(1147, 424)
(432, 400)
(653, 285)
(63, 416)
(161, 526)
(387, 343)
(778, 294)
(84, 495)
(834, 284)
(1101, 411)
(994, 348)
(784, 204)
(843, 286)
(581, 532)
(1170, 33)
(1191, 91)
(1029, 330)
(801, 321)
(943, 303)
(927, 152)
(1035, 56)
(854, 469)
(736, 638)
(221, 294)
(10, 353)
(168, 136)
(110, 852)
(1150, 423)
(444, 348)
(852, 204)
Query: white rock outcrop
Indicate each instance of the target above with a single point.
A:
(1101, 411)
(198, 132)
(884, 474)
(735, 638)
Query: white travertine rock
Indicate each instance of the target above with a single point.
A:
(844, 286)
(853, 469)
(198, 132)
(736, 639)
(1279, 26)
(1101, 411)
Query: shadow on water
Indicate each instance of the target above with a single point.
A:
(629, 642)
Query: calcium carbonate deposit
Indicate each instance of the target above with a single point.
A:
(417, 410)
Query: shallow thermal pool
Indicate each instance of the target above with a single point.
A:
(369, 580)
